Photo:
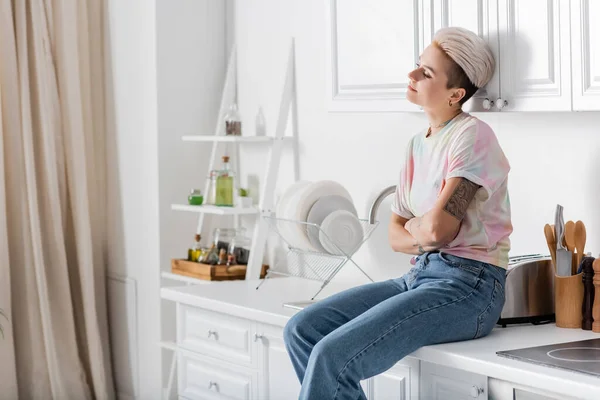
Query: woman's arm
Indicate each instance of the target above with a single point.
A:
(402, 241)
(441, 224)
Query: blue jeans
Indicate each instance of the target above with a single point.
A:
(363, 331)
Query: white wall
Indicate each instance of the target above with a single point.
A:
(552, 154)
(132, 197)
(191, 64)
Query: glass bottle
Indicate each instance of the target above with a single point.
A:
(211, 196)
(225, 185)
(212, 256)
(195, 250)
(222, 257)
(233, 122)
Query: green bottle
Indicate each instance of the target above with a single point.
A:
(225, 185)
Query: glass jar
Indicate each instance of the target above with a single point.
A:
(239, 247)
(222, 237)
(195, 197)
(233, 122)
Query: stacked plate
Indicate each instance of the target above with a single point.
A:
(319, 216)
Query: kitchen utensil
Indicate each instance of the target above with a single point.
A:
(320, 210)
(580, 237)
(341, 232)
(549, 234)
(570, 242)
(563, 256)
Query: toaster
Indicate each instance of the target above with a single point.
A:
(529, 290)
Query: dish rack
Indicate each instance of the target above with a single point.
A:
(304, 261)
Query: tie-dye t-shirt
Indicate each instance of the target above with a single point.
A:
(466, 147)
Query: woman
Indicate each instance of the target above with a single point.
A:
(451, 209)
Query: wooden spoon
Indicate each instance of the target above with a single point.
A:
(549, 233)
(570, 242)
(580, 237)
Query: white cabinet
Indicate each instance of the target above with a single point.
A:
(503, 390)
(585, 34)
(277, 376)
(444, 383)
(479, 16)
(535, 55)
(401, 382)
(371, 49)
(547, 52)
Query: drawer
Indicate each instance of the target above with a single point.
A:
(202, 377)
(222, 336)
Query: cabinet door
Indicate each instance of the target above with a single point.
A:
(401, 382)
(206, 378)
(479, 16)
(503, 390)
(372, 46)
(535, 55)
(276, 374)
(444, 383)
(585, 33)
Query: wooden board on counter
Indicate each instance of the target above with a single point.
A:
(211, 272)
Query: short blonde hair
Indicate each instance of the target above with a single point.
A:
(470, 52)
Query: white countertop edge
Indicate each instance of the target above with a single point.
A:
(230, 309)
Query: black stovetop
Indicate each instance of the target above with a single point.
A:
(581, 356)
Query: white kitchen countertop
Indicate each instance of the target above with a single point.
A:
(241, 299)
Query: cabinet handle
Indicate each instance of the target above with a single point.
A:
(211, 332)
(212, 384)
(258, 337)
(500, 103)
(476, 391)
(487, 104)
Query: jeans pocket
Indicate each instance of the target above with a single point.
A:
(462, 263)
(488, 318)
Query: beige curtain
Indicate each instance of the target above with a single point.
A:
(52, 206)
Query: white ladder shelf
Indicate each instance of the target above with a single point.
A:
(265, 206)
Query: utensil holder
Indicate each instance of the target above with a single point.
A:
(568, 300)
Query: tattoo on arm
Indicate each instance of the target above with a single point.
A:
(461, 198)
(420, 248)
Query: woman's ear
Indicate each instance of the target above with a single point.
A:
(457, 95)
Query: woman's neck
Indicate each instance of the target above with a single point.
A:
(438, 119)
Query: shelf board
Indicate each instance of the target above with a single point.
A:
(169, 345)
(186, 279)
(208, 209)
(232, 139)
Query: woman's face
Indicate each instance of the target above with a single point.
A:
(428, 82)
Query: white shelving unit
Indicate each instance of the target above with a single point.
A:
(275, 143)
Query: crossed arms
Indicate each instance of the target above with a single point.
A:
(437, 227)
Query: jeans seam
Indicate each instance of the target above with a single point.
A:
(488, 308)
(390, 331)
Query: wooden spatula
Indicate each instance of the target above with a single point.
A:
(570, 242)
(549, 233)
(580, 237)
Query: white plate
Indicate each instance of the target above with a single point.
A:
(300, 206)
(320, 210)
(286, 228)
(342, 229)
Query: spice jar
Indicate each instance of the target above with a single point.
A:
(239, 247)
